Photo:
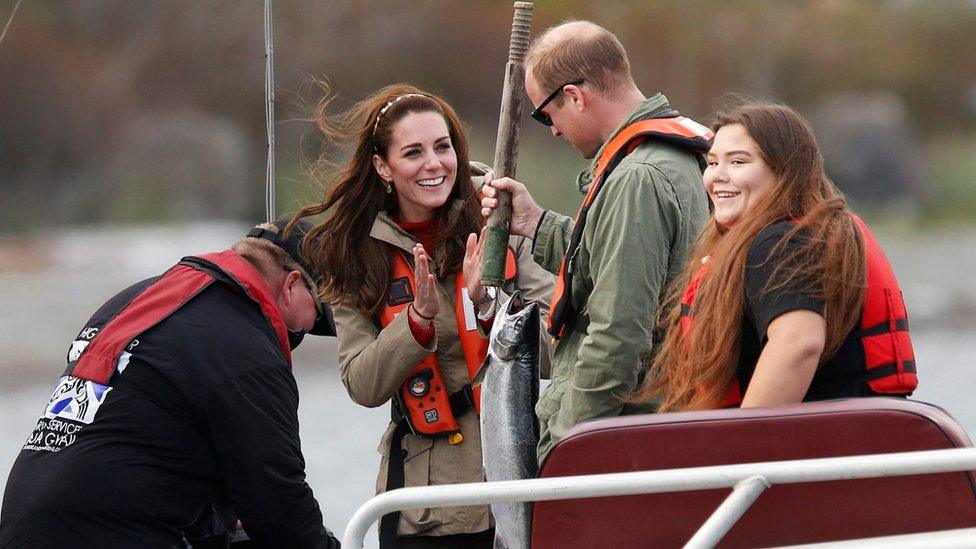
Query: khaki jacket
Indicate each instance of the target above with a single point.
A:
(374, 363)
(636, 241)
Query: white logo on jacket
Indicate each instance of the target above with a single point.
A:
(76, 399)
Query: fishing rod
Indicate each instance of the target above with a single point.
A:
(269, 185)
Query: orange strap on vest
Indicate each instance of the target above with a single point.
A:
(423, 399)
(883, 329)
(734, 397)
(677, 130)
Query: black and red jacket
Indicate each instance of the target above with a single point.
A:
(178, 400)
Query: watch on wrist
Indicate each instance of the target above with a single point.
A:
(486, 305)
(490, 294)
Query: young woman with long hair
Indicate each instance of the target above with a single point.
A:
(787, 296)
(400, 261)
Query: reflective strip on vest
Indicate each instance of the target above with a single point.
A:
(680, 131)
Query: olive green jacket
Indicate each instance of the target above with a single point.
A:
(637, 238)
(375, 362)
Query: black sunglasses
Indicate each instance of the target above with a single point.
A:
(542, 117)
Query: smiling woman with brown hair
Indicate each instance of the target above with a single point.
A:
(355, 264)
(402, 238)
(787, 297)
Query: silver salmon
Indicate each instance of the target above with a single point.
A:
(509, 429)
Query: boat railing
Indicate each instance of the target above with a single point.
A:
(747, 480)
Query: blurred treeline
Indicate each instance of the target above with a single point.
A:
(115, 110)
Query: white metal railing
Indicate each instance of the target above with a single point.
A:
(964, 538)
(749, 480)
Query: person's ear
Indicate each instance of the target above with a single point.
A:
(287, 284)
(575, 94)
(381, 168)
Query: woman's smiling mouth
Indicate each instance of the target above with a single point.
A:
(431, 182)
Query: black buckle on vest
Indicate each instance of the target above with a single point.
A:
(400, 292)
(461, 401)
(883, 327)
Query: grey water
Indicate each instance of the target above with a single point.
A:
(50, 284)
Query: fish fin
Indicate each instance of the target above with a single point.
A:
(479, 377)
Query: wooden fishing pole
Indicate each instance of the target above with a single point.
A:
(506, 145)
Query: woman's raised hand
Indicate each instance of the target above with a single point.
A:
(425, 304)
(473, 253)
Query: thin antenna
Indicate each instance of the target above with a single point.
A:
(9, 21)
(269, 193)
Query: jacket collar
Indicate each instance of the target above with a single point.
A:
(652, 107)
(386, 230)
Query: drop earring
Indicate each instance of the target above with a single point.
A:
(389, 187)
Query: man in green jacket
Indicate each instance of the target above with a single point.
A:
(638, 229)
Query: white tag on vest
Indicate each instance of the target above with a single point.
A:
(470, 319)
(693, 126)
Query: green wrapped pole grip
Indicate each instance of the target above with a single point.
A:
(493, 261)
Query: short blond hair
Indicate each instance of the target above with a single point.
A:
(579, 49)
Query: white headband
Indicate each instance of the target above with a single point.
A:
(387, 107)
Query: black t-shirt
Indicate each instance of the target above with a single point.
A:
(769, 296)
(200, 414)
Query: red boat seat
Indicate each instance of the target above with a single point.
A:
(783, 514)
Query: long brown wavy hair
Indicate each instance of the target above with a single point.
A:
(354, 267)
(695, 371)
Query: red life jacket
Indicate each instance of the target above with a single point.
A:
(164, 297)
(423, 400)
(888, 351)
(677, 130)
(889, 359)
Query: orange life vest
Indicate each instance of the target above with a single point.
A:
(423, 400)
(889, 359)
(677, 130)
